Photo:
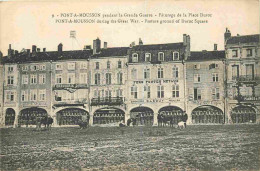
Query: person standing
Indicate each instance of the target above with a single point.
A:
(184, 118)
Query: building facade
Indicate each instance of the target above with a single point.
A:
(111, 85)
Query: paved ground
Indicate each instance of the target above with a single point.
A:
(222, 147)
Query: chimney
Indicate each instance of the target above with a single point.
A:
(227, 35)
(215, 47)
(28, 53)
(16, 52)
(105, 45)
(60, 49)
(140, 41)
(10, 51)
(238, 35)
(96, 46)
(34, 48)
(186, 44)
(133, 44)
(44, 49)
(38, 49)
(184, 40)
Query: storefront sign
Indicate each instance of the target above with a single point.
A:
(70, 86)
(156, 81)
(30, 104)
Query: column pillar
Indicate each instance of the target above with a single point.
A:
(155, 120)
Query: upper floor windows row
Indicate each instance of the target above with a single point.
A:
(34, 79)
(211, 66)
(72, 66)
(119, 65)
(161, 57)
(245, 52)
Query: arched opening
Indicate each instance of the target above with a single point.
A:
(173, 112)
(143, 115)
(108, 115)
(71, 116)
(243, 114)
(28, 116)
(9, 116)
(207, 115)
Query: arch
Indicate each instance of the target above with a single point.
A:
(176, 114)
(9, 116)
(207, 114)
(108, 115)
(28, 116)
(71, 116)
(243, 114)
(144, 115)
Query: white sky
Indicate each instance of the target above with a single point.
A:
(24, 24)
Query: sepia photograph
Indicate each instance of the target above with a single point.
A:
(130, 85)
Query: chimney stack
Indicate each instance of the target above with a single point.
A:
(227, 35)
(44, 49)
(140, 41)
(10, 51)
(34, 48)
(186, 43)
(96, 46)
(60, 49)
(28, 53)
(105, 45)
(38, 49)
(215, 47)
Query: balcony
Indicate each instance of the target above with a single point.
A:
(110, 101)
(70, 86)
(247, 79)
(247, 98)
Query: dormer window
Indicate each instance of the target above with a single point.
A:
(234, 53)
(175, 56)
(97, 65)
(108, 64)
(249, 53)
(135, 57)
(147, 57)
(196, 66)
(160, 56)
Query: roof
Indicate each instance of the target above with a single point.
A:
(167, 46)
(109, 52)
(244, 39)
(206, 55)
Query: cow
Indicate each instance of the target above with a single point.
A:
(45, 120)
(181, 125)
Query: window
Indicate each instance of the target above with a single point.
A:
(25, 79)
(10, 69)
(108, 64)
(42, 67)
(146, 73)
(160, 72)
(71, 78)
(97, 65)
(119, 93)
(58, 67)
(119, 64)
(108, 78)
(34, 67)
(134, 92)
(147, 57)
(9, 96)
(58, 96)
(25, 68)
(212, 66)
(147, 91)
(175, 56)
(42, 94)
(97, 79)
(134, 73)
(24, 96)
(10, 80)
(83, 78)
(33, 95)
(42, 78)
(235, 72)
(71, 66)
(249, 52)
(196, 78)
(196, 66)
(250, 71)
(58, 78)
(215, 77)
(119, 78)
(83, 65)
(234, 53)
(33, 79)
(215, 93)
(175, 71)
(135, 57)
(160, 91)
(108, 93)
(160, 56)
(175, 91)
(197, 94)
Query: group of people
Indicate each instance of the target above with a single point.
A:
(243, 116)
(207, 117)
(143, 118)
(30, 118)
(172, 118)
(106, 118)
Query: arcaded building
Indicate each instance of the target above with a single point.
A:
(109, 85)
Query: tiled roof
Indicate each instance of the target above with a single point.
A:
(109, 52)
(206, 55)
(243, 39)
(167, 46)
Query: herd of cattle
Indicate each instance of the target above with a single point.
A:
(163, 120)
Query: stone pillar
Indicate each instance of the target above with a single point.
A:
(16, 118)
(91, 119)
(155, 120)
(127, 116)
